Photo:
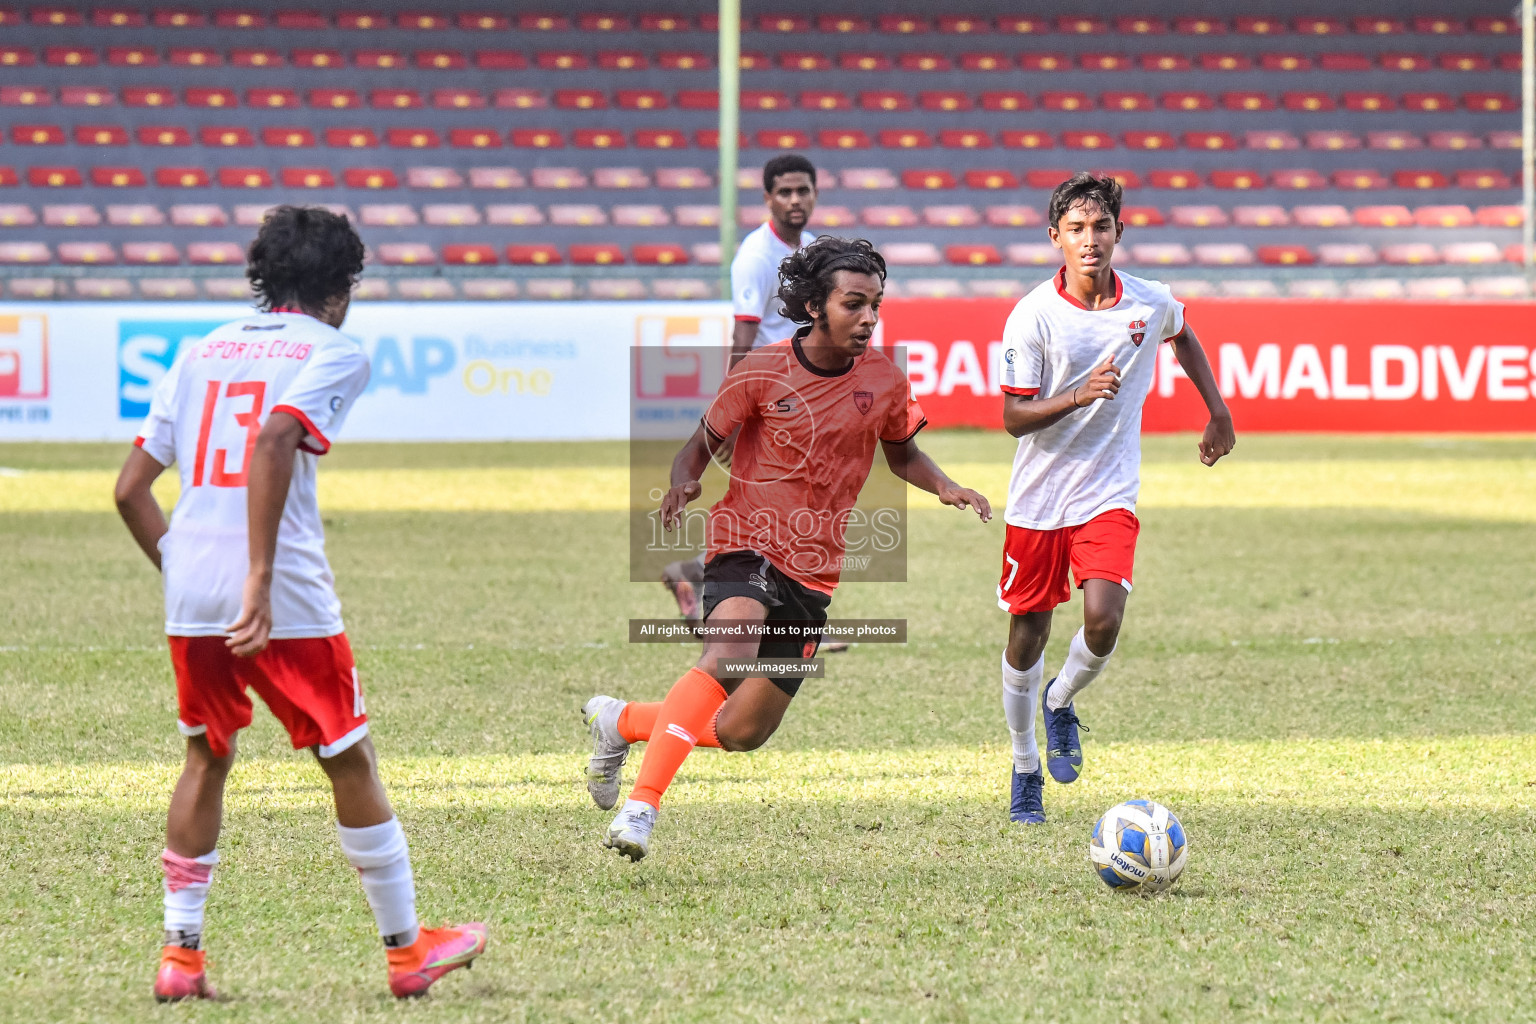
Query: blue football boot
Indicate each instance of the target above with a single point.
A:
(1028, 804)
(1063, 749)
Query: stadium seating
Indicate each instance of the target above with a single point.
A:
(147, 137)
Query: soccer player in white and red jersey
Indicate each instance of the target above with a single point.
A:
(249, 596)
(810, 410)
(789, 193)
(1079, 355)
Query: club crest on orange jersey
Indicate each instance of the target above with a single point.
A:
(864, 400)
(1138, 331)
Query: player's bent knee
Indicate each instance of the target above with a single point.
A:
(747, 739)
(1101, 632)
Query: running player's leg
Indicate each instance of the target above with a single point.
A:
(312, 687)
(212, 708)
(1033, 582)
(686, 717)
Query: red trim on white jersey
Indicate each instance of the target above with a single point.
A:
(1023, 392)
(775, 229)
(743, 319)
(1178, 332)
(309, 426)
(138, 442)
(1061, 289)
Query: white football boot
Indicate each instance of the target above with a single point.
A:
(609, 749)
(630, 832)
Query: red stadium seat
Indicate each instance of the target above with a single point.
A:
(698, 99)
(469, 254)
(973, 255)
(18, 57)
(804, 60)
(1390, 216)
(1034, 254)
(863, 62)
(603, 23)
(867, 178)
(1209, 140)
(561, 60)
(151, 253)
(684, 60)
(1404, 62)
(199, 215)
(70, 215)
(1286, 255)
(1237, 178)
(1141, 26)
(1247, 101)
(13, 215)
(388, 215)
(620, 177)
(181, 177)
(1419, 179)
(1365, 180)
(291, 138)
(825, 99)
(1044, 61)
(928, 179)
(1297, 178)
(1065, 101)
(474, 138)
(596, 254)
(1260, 216)
(38, 135)
(369, 178)
(964, 138)
(1344, 62)
(378, 59)
(1223, 254)
(1104, 62)
(558, 178)
(912, 254)
(1285, 62)
(1046, 177)
(86, 96)
(1165, 62)
(905, 138)
(13, 253)
(1083, 26)
(226, 136)
(1410, 253)
(622, 60)
(307, 177)
(1393, 140)
(1369, 101)
(1334, 140)
(789, 23)
(1489, 102)
(1014, 216)
(1179, 179)
(1495, 26)
(888, 217)
(1320, 27)
(407, 138)
(1150, 140)
(884, 100)
(116, 17)
(447, 177)
(1428, 102)
(957, 216)
(664, 23)
(1471, 252)
(1379, 26)
(117, 56)
(660, 138)
(394, 99)
(843, 139)
(513, 214)
(842, 23)
(1125, 101)
(1250, 26)
(1270, 140)
(1509, 61)
(598, 138)
(1186, 101)
(782, 139)
(71, 57)
(440, 60)
(659, 254)
(1161, 254)
(458, 99)
(300, 19)
(537, 138)
(1087, 140)
(268, 99)
(245, 177)
(1124, 175)
(1482, 178)
(581, 99)
(990, 179)
(824, 217)
(1504, 140)
(1500, 216)
(1439, 26)
(1225, 62)
(987, 61)
(351, 138)
(1198, 216)
(944, 100)
(334, 99)
(640, 215)
(1006, 101)
(86, 253)
(1454, 140)
(1199, 26)
(1321, 216)
(1312, 102)
(764, 99)
(450, 215)
(162, 135)
(312, 58)
(1453, 216)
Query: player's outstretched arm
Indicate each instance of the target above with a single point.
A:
(1025, 414)
(266, 492)
(136, 502)
(687, 467)
(1219, 437)
(916, 467)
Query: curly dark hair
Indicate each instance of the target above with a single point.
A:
(786, 163)
(303, 256)
(806, 277)
(1085, 189)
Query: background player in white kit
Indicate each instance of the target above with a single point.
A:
(1079, 356)
(789, 192)
(244, 413)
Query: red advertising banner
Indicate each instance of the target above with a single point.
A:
(1282, 365)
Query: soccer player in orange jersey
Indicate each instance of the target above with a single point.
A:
(810, 410)
(248, 593)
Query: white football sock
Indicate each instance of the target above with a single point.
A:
(381, 856)
(187, 881)
(1082, 667)
(1021, 690)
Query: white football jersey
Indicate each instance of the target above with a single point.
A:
(755, 283)
(1089, 461)
(204, 418)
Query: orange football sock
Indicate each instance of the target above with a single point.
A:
(637, 720)
(686, 719)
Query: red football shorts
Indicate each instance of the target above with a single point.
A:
(1035, 562)
(310, 684)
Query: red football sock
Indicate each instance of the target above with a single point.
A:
(686, 719)
(637, 720)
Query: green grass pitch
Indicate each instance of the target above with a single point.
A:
(1326, 671)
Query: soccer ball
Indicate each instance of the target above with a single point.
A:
(1138, 846)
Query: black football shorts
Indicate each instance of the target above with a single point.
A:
(749, 574)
